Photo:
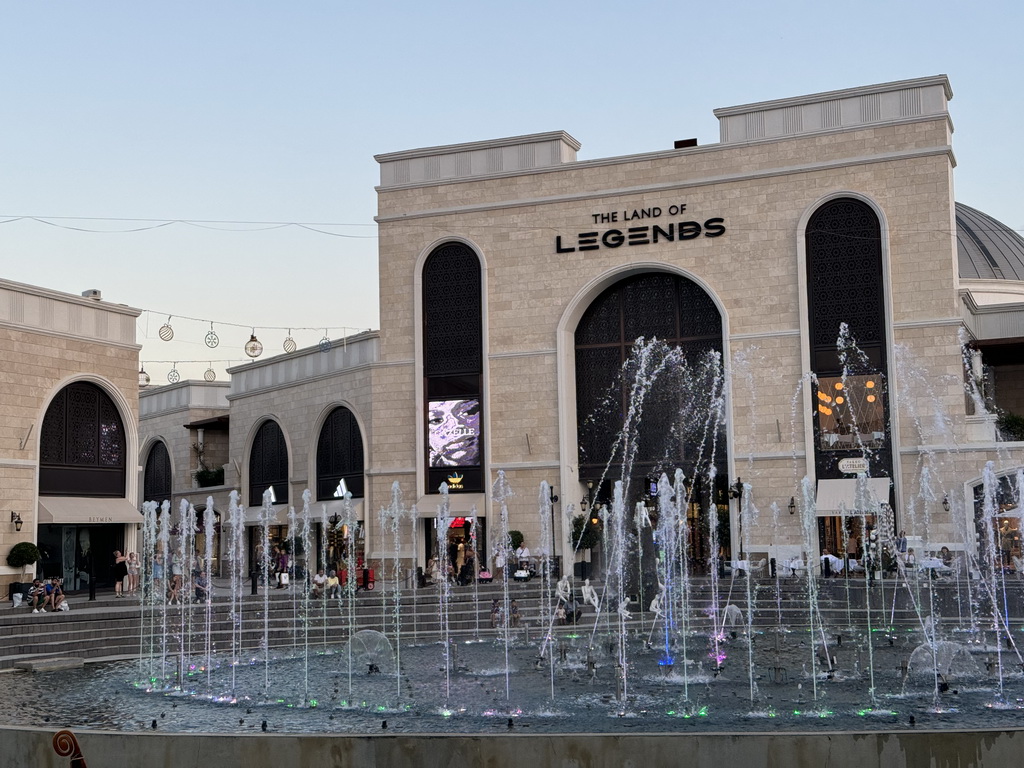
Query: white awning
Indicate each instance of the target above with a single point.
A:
(83, 510)
(838, 497)
(254, 515)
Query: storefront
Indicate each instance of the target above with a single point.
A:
(78, 537)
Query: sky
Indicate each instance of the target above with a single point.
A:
(215, 129)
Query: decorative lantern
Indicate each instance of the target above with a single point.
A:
(143, 376)
(166, 332)
(253, 347)
(173, 376)
(212, 339)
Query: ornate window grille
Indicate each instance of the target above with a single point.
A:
(268, 464)
(82, 444)
(339, 455)
(157, 479)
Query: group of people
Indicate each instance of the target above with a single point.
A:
(127, 569)
(46, 593)
(326, 585)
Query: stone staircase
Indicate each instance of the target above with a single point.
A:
(111, 628)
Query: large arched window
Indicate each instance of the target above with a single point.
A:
(681, 420)
(339, 455)
(82, 444)
(157, 483)
(453, 368)
(268, 464)
(846, 306)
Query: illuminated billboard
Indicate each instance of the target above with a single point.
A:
(453, 431)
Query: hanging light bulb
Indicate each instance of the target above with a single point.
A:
(212, 339)
(166, 332)
(253, 347)
(289, 343)
(143, 376)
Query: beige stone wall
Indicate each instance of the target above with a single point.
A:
(299, 410)
(764, 191)
(34, 365)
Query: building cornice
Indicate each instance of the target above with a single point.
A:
(664, 187)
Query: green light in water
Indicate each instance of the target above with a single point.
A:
(670, 712)
(312, 703)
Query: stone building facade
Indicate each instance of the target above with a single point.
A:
(867, 329)
(69, 437)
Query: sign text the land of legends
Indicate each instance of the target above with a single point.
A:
(641, 234)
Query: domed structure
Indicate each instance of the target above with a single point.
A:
(987, 249)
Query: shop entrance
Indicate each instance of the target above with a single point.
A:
(465, 553)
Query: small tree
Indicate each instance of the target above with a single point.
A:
(23, 554)
(516, 538)
(585, 534)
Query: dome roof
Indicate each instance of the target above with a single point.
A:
(987, 249)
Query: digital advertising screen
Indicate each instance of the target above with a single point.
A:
(453, 432)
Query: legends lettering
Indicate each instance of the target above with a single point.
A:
(645, 235)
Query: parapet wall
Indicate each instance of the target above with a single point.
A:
(912, 748)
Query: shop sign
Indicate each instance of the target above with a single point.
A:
(853, 466)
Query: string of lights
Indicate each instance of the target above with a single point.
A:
(252, 226)
(263, 226)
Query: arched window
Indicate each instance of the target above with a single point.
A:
(845, 286)
(339, 455)
(157, 479)
(679, 313)
(82, 444)
(453, 368)
(268, 464)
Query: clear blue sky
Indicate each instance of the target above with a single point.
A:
(259, 111)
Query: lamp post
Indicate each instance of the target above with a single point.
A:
(552, 557)
(736, 492)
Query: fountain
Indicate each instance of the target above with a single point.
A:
(704, 650)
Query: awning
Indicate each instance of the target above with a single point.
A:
(837, 497)
(82, 510)
(254, 515)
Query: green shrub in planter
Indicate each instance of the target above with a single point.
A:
(207, 478)
(22, 554)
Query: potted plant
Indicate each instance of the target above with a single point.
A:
(23, 554)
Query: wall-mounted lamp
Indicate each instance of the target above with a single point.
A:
(945, 502)
(16, 519)
(334, 520)
(792, 505)
(554, 496)
(736, 489)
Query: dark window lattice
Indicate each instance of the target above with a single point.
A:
(452, 321)
(672, 309)
(157, 483)
(82, 444)
(268, 464)
(82, 427)
(845, 285)
(339, 455)
(844, 274)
